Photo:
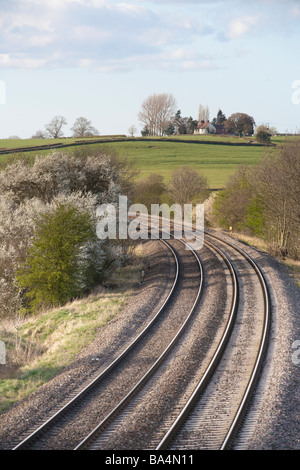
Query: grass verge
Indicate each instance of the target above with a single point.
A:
(261, 245)
(42, 345)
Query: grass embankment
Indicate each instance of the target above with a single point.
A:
(261, 245)
(42, 345)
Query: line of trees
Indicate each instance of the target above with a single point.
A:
(49, 251)
(159, 116)
(264, 200)
(82, 127)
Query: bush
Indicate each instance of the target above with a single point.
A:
(55, 271)
(187, 186)
(33, 191)
(263, 135)
(149, 190)
(231, 205)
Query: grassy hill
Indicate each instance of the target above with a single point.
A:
(216, 162)
(215, 156)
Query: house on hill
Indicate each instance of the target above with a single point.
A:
(205, 128)
(209, 128)
(221, 129)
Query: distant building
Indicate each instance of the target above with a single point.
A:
(205, 128)
(220, 129)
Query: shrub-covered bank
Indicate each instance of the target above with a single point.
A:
(48, 226)
(264, 200)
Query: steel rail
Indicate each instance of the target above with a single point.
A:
(242, 408)
(215, 359)
(262, 347)
(114, 413)
(46, 425)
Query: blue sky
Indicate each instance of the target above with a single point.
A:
(101, 58)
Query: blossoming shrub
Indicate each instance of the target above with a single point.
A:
(42, 207)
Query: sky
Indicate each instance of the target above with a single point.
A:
(100, 59)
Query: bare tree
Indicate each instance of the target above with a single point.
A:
(83, 128)
(203, 114)
(132, 130)
(156, 112)
(39, 135)
(187, 185)
(276, 182)
(54, 128)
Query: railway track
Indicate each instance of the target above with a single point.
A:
(212, 416)
(158, 336)
(207, 406)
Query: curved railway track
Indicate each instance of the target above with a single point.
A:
(163, 320)
(210, 419)
(207, 413)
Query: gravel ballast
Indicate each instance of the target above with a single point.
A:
(29, 413)
(276, 409)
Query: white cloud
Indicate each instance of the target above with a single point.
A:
(92, 33)
(295, 11)
(238, 27)
(21, 62)
(122, 35)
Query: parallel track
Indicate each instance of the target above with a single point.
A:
(170, 436)
(190, 418)
(31, 440)
(101, 433)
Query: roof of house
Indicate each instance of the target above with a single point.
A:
(220, 128)
(203, 125)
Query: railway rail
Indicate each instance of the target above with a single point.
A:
(193, 420)
(32, 441)
(203, 423)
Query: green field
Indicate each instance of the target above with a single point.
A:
(216, 162)
(214, 157)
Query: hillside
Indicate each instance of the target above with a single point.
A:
(215, 156)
